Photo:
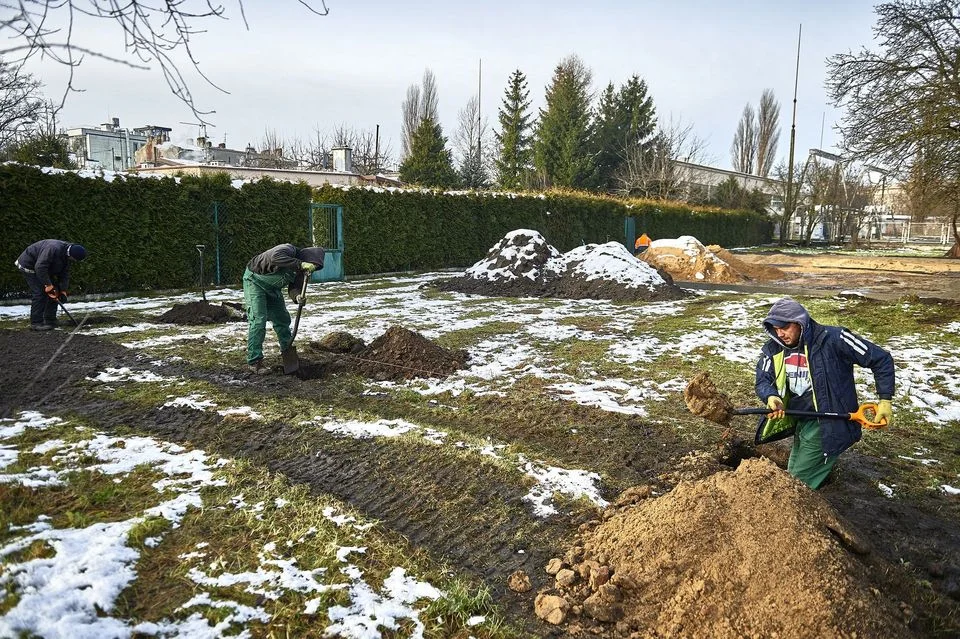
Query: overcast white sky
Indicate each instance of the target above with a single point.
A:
(295, 73)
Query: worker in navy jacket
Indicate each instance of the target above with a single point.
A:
(809, 366)
(46, 267)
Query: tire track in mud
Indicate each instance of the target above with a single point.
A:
(467, 513)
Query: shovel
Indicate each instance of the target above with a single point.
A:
(291, 362)
(860, 416)
(60, 302)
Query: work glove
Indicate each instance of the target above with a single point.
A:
(307, 267)
(775, 404)
(884, 412)
(51, 291)
(63, 297)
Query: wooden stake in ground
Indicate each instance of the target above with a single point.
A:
(705, 400)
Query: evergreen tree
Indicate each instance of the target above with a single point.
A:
(513, 140)
(429, 163)
(561, 152)
(625, 119)
(40, 149)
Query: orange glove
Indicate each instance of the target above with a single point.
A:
(51, 291)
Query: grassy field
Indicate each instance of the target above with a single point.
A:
(314, 493)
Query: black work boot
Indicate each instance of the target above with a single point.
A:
(41, 327)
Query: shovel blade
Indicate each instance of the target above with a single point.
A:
(291, 362)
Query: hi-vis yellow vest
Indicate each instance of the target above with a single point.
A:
(774, 429)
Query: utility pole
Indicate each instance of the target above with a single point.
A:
(479, 130)
(788, 201)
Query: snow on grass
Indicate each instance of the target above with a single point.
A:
(72, 592)
(574, 483)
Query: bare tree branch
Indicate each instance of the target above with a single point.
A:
(152, 33)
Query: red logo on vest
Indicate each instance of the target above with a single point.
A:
(796, 359)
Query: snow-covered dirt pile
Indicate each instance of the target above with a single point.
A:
(524, 264)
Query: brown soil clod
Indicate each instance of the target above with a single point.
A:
(704, 399)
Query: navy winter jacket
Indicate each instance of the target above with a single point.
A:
(48, 259)
(831, 353)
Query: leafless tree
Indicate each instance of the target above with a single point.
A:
(902, 102)
(152, 33)
(649, 170)
(21, 103)
(422, 102)
(743, 151)
(369, 156)
(471, 146)
(797, 186)
(768, 132)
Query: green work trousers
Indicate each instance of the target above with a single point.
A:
(807, 461)
(263, 297)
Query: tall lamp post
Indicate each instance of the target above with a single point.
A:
(789, 204)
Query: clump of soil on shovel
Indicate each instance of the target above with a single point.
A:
(745, 553)
(397, 354)
(202, 312)
(704, 399)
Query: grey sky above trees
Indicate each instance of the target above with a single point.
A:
(284, 68)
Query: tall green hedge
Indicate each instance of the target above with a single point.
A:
(394, 230)
(141, 233)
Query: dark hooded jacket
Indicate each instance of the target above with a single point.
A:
(48, 259)
(831, 353)
(285, 260)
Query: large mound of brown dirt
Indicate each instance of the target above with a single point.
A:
(202, 312)
(397, 354)
(687, 260)
(750, 553)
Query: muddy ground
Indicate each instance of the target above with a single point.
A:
(913, 545)
(492, 533)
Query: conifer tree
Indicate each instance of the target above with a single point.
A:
(625, 119)
(515, 154)
(429, 163)
(561, 152)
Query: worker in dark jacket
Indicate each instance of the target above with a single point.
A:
(46, 267)
(263, 281)
(809, 366)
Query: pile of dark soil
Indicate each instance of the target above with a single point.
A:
(201, 312)
(403, 354)
(750, 553)
(397, 354)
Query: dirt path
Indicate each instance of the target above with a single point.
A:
(876, 275)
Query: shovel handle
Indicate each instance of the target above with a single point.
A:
(300, 305)
(860, 416)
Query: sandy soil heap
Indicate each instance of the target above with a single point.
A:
(523, 264)
(686, 259)
(750, 553)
